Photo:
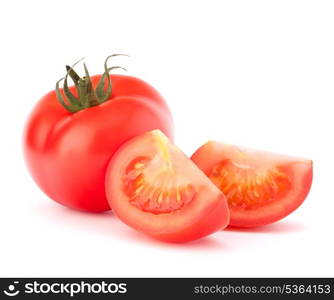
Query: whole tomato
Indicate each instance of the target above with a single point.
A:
(73, 132)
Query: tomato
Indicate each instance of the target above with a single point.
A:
(67, 145)
(260, 187)
(154, 188)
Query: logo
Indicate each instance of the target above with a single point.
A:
(70, 288)
(11, 290)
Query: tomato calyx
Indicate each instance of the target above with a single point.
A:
(87, 95)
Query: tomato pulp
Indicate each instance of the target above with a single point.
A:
(67, 153)
(260, 187)
(154, 188)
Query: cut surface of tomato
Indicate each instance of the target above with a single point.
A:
(156, 189)
(260, 187)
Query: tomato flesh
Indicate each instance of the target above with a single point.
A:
(246, 187)
(155, 191)
(154, 188)
(260, 187)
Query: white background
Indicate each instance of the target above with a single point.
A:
(253, 73)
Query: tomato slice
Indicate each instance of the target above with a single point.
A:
(155, 188)
(260, 187)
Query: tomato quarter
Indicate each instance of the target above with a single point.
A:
(153, 187)
(260, 187)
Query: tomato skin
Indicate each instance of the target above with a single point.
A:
(205, 214)
(299, 169)
(67, 154)
(216, 218)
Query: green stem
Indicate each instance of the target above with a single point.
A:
(87, 95)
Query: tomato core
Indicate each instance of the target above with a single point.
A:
(153, 185)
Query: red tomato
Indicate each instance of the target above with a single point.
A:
(67, 152)
(153, 187)
(260, 187)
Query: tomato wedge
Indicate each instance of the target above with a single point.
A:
(156, 189)
(260, 187)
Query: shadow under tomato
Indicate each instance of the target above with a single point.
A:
(206, 243)
(73, 219)
(276, 228)
(108, 225)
